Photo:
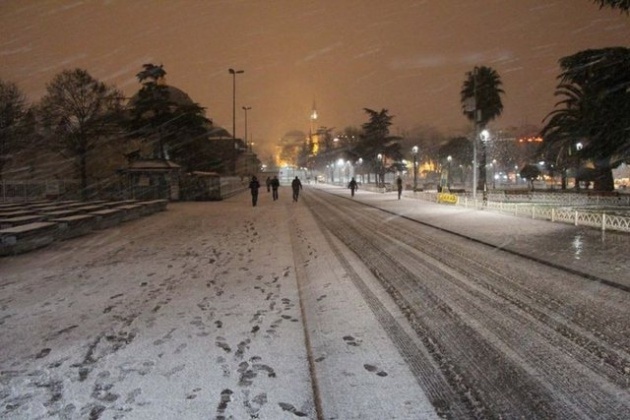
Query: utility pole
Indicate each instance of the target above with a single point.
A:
(234, 73)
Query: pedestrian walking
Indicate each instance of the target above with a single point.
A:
(254, 185)
(275, 184)
(296, 185)
(268, 182)
(399, 186)
(353, 186)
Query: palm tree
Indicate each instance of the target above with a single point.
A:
(481, 102)
(566, 128)
(622, 5)
(595, 111)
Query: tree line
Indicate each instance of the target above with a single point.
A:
(79, 115)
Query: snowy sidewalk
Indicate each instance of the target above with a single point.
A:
(190, 313)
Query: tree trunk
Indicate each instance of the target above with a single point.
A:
(604, 180)
(83, 171)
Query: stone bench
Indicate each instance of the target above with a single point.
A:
(59, 213)
(19, 220)
(11, 207)
(89, 208)
(107, 218)
(131, 211)
(23, 238)
(153, 206)
(16, 213)
(49, 205)
(113, 204)
(77, 225)
(47, 208)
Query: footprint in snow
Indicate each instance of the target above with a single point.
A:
(223, 345)
(351, 341)
(372, 368)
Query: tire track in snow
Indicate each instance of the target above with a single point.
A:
(446, 401)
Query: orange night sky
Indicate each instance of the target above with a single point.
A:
(408, 56)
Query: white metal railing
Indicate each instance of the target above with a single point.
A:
(614, 216)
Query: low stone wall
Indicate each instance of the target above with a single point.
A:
(29, 226)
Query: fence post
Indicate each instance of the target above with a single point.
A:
(553, 214)
(603, 222)
(576, 218)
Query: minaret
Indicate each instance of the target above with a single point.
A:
(313, 134)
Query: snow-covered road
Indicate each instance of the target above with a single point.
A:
(502, 336)
(293, 310)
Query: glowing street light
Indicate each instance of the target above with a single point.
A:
(449, 159)
(414, 150)
(485, 136)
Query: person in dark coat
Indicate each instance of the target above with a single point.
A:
(254, 185)
(296, 185)
(268, 182)
(275, 184)
(353, 186)
(399, 186)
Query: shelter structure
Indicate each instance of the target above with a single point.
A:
(153, 179)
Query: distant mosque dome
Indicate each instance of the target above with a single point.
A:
(176, 95)
(181, 98)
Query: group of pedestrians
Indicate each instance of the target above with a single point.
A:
(353, 185)
(273, 184)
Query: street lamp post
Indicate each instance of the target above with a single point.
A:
(414, 150)
(234, 73)
(485, 135)
(449, 159)
(246, 108)
(578, 147)
(380, 170)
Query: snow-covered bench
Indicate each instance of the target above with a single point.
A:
(49, 215)
(19, 220)
(131, 211)
(22, 238)
(107, 218)
(76, 225)
(153, 206)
